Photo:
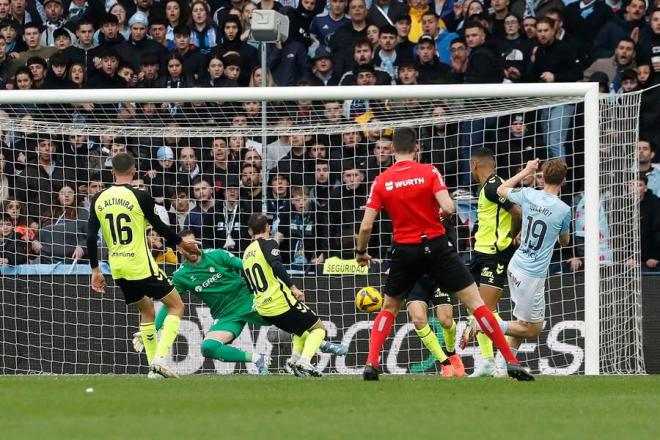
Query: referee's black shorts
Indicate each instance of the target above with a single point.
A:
(435, 258)
(155, 286)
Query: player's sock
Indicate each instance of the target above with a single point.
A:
(450, 338)
(312, 343)
(430, 341)
(298, 345)
(168, 334)
(214, 349)
(149, 339)
(485, 345)
(379, 333)
(504, 325)
(160, 317)
(489, 325)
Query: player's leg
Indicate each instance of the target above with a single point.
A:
(313, 340)
(491, 296)
(175, 308)
(379, 333)
(418, 312)
(147, 327)
(445, 315)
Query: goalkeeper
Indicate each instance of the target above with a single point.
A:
(215, 277)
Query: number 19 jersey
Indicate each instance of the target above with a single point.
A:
(120, 210)
(545, 217)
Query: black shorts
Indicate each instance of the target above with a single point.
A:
(297, 320)
(490, 269)
(435, 258)
(156, 287)
(427, 291)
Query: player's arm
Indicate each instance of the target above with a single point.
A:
(490, 191)
(446, 203)
(272, 254)
(373, 206)
(93, 226)
(564, 234)
(147, 205)
(503, 189)
(229, 260)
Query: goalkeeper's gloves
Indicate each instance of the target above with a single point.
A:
(138, 345)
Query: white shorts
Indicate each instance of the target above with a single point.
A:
(528, 295)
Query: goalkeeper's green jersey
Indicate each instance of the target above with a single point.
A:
(217, 280)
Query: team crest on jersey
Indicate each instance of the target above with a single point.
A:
(211, 269)
(275, 252)
(198, 289)
(193, 278)
(389, 186)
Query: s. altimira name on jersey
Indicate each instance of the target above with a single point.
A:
(407, 192)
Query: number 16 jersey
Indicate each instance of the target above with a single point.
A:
(123, 213)
(544, 218)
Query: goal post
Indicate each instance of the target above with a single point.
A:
(602, 297)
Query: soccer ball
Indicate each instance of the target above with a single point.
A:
(368, 300)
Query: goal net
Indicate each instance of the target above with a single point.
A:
(209, 161)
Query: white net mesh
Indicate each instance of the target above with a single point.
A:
(207, 167)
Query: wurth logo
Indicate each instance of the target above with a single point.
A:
(403, 183)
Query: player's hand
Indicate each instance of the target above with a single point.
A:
(575, 263)
(652, 263)
(78, 253)
(363, 259)
(298, 294)
(532, 166)
(98, 280)
(138, 344)
(188, 244)
(516, 241)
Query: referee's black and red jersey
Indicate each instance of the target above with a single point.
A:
(407, 192)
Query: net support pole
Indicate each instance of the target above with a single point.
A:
(264, 137)
(591, 232)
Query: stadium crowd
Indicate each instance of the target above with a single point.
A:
(317, 184)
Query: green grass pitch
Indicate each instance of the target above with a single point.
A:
(409, 407)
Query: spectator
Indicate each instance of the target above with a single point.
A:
(63, 231)
(516, 144)
(106, 77)
(523, 8)
(554, 61)
(34, 48)
(217, 170)
(131, 50)
(416, 10)
(231, 220)
(231, 42)
(162, 176)
(293, 164)
(79, 156)
(363, 55)
(17, 214)
(353, 149)
(214, 76)
(37, 66)
(435, 27)
(13, 250)
(203, 33)
(585, 19)
(304, 231)
(24, 13)
(180, 207)
(119, 11)
(193, 59)
(41, 179)
(325, 25)
(175, 14)
(288, 61)
(108, 38)
(279, 148)
(387, 56)
(93, 186)
(346, 202)
(576, 262)
(649, 40)
(459, 59)
(301, 17)
(56, 77)
(251, 188)
(407, 74)
(278, 202)
(439, 146)
(651, 170)
(342, 42)
(9, 30)
(405, 46)
(189, 168)
(515, 50)
(431, 69)
(6, 179)
(161, 253)
(580, 51)
(64, 45)
(628, 23)
(613, 67)
(54, 11)
(322, 68)
(649, 208)
(380, 159)
(158, 32)
(498, 15)
(201, 219)
(529, 27)
(483, 65)
(233, 70)
(320, 190)
(355, 109)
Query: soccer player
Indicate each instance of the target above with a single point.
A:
(122, 213)
(412, 194)
(498, 223)
(216, 278)
(546, 219)
(424, 295)
(278, 300)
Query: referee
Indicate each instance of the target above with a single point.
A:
(412, 194)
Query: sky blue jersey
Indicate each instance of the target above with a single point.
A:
(544, 218)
